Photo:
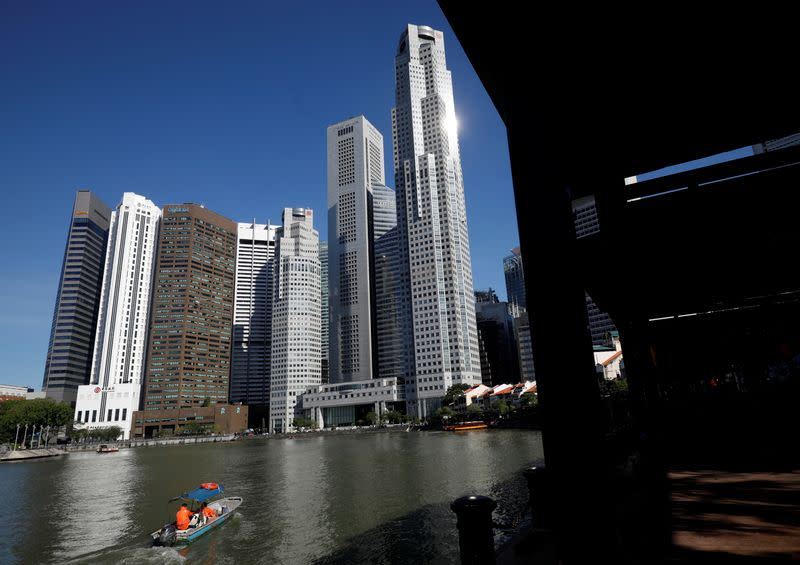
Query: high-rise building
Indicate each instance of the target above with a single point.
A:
(114, 390)
(69, 354)
(522, 332)
(515, 283)
(438, 309)
(252, 317)
(189, 352)
(324, 312)
(488, 295)
(385, 281)
(355, 164)
(296, 317)
(518, 309)
(586, 221)
(496, 330)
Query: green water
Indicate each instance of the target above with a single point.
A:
(366, 498)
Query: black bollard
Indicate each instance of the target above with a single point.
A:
(538, 495)
(475, 530)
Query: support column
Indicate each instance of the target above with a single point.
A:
(569, 399)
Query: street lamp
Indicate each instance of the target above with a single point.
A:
(16, 437)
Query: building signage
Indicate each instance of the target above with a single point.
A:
(177, 209)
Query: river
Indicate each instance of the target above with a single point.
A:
(317, 499)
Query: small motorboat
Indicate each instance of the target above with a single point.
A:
(170, 535)
(104, 448)
(466, 426)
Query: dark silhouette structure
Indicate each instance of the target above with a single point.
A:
(706, 302)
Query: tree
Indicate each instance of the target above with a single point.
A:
(529, 399)
(304, 423)
(454, 392)
(372, 418)
(393, 416)
(474, 408)
(40, 412)
(206, 402)
(445, 412)
(503, 408)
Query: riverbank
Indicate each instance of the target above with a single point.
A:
(152, 442)
(27, 454)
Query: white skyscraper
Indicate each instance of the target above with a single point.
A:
(355, 163)
(119, 353)
(438, 317)
(296, 343)
(252, 315)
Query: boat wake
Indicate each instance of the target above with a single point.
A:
(135, 552)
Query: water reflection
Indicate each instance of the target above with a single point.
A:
(371, 498)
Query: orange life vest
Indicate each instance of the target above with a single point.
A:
(182, 518)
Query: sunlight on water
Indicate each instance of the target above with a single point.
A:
(315, 499)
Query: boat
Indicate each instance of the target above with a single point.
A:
(465, 426)
(107, 448)
(170, 535)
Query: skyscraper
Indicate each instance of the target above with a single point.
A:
(517, 307)
(69, 354)
(189, 353)
(385, 280)
(438, 309)
(295, 317)
(324, 312)
(355, 163)
(496, 331)
(252, 317)
(114, 391)
(515, 283)
(587, 223)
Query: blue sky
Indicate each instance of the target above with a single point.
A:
(224, 103)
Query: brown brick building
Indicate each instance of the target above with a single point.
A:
(189, 351)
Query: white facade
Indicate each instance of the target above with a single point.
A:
(440, 333)
(318, 401)
(252, 314)
(113, 393)
(355, 163)
(296, 342)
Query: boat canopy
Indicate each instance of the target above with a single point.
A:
(201, 494)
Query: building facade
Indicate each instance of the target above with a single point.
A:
(515, 283)
(347, 404)
(586, 222)
(296, 317)
(496, 329)
(72, 337)
(440, 341)
(324, 313)
(385, 282)
(114, 390)
(522, 333)
(189, 353)
(355, 164)
(252, 316)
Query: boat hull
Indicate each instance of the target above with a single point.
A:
(467, 426)
(183, 537)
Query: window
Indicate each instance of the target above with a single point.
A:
(116, 415)
(124, 414)
(109, 415)
(94, 415)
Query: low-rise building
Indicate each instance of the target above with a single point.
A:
(608, 358)
(221, 418)
(344, 404)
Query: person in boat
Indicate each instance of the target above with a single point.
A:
(183, 517)
(207, 512)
